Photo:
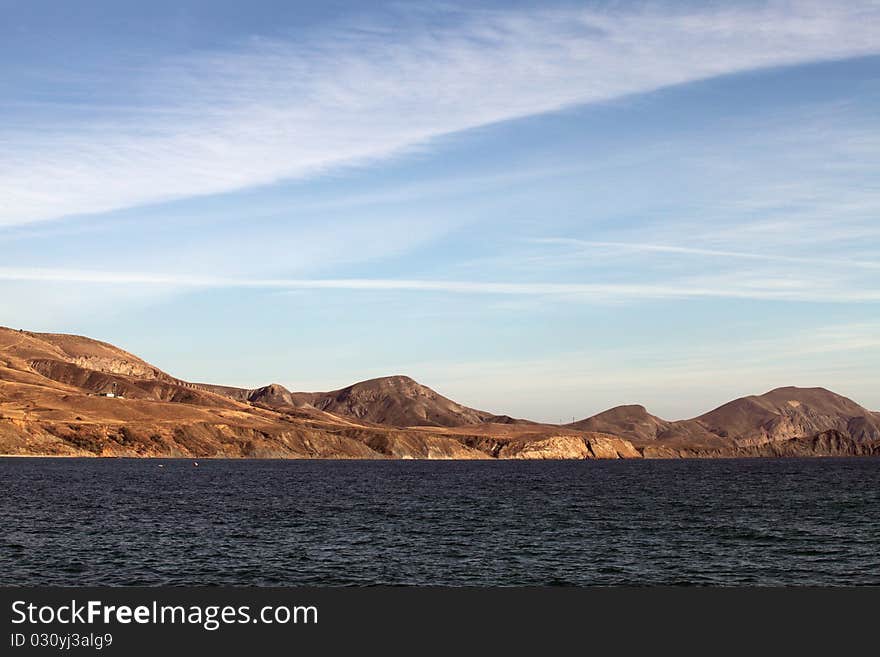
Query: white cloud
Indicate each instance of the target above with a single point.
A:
(758, 287)
(268, 111)
(586, 247)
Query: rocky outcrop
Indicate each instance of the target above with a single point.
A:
(403, 445)
(611, 447)
(273, 395)
(118, 366)
(552, 447)
(592, 446)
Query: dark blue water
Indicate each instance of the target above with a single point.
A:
(130, 522)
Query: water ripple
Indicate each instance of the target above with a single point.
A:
(357, 523)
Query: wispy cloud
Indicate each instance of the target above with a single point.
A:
(758, 288)
(271, 110)
(589, 246)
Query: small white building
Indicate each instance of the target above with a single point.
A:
(111, 393)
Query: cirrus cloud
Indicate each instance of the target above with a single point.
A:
(266, 111)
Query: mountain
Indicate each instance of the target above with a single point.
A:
(396, 401)
(71, 395)
(55, 399)
(632, 421)
(791, 412)
(636, 424)
(780, 415)
(95, 367)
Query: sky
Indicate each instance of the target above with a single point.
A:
(539, 209)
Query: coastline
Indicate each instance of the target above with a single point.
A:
(488, 459)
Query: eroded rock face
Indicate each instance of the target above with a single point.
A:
(404, 445)
(202, 440)
(591, 446)
(117, 366)
(554, 447)
(611, 447)
(162, 387)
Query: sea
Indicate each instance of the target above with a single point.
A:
(748, 522)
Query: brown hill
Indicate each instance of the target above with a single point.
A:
(779, 415)
(95, 367)
(273, 395)
(637, 425)
(790, 413)
(395, 401)
(633, 422)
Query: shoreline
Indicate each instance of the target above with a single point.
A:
(424, 460)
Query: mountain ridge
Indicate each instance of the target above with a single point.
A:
(779, 414)
(65, 394)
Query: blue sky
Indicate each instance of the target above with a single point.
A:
(537, 209)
